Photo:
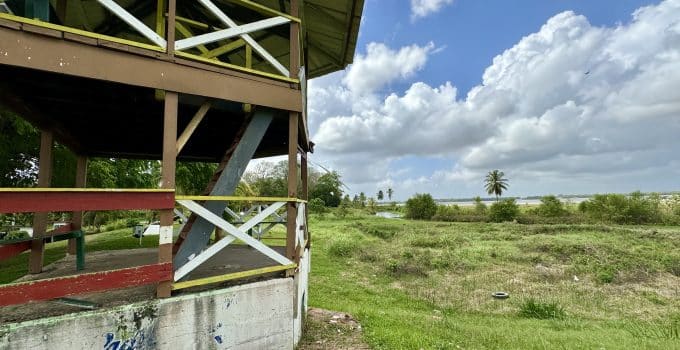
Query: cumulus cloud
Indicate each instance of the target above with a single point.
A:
(382, 65)
(424, 8)
(571, 100)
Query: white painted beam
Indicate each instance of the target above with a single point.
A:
(134, 22)
(229, 33)
(247, 38)
(234, 232)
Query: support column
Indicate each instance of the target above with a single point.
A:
(305, 190)
(40, 219)
(168, 182)
(170, 34)
(294, 40)
(292, 185)
(77, 217)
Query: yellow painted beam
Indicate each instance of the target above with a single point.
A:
(80, 32)
(235, 67)
(264, 9)
(231, 276)
(193, 23)
(160, 18)
(239, 199)
(182, 29)
(54, 189)
(224, 49)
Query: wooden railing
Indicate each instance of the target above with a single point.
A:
(197, 39)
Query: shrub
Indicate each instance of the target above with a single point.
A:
(343, 247)
(316, 205)
(551, 207)
(480, 207)
(505, 210)
(12, 235)
(421, 207)
(616, 208)
(531, 308)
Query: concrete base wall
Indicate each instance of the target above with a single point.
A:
(258, 315)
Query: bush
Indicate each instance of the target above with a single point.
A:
(616, 208)
(551, 207)
(317, 205)
(505, 210)
(531, 308)
(421, 207)
(343, 247)
(12, 235)
(480, 207)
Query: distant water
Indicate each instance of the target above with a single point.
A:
(388, 215)
(575, 200)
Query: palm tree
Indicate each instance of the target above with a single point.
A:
(389, 193)
(495, 183)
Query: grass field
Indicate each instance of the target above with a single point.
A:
(428, 285)
(414, 284)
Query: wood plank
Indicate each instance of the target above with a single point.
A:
(11, 250)
(191, 127)
(81, 181)
(47, 201)
(180, 75)
(234, 232)
(168, 167)
(292, 185)
(231, 276)
(20, 293)
(35, 261)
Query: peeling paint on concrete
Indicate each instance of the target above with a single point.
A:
(251, 316)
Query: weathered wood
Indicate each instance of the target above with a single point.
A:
(20, 293)
(292, 184)
(164, 289)
(40, 217)
(81, 182)
(170, 34)
(191, 127)
(47, 201)
(231, 276)
(294, 40)
(11, 250)
(235, 233)
(196, 234)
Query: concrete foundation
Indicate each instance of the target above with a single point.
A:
(260, 315)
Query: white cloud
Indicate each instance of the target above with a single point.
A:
(382, 65)
(569, 101)
(424, 8)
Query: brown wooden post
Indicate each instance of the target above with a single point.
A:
(305, 189)
(292, 185)
(77, 218)
(170, 35)
(168, 182)
(40, 219)
(294, 40)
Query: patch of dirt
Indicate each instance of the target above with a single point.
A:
(325, 329)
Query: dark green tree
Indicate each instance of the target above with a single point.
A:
(380, 195)
(328, 188)
(421, 206)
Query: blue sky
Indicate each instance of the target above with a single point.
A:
(473, 32)
(563, 96)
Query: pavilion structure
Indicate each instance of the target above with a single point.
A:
(221, 81)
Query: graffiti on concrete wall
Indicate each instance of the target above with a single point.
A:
(135, 342)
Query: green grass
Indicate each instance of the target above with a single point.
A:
(16, 267)
(415, 284)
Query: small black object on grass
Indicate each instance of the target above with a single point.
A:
(500, 295)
